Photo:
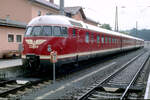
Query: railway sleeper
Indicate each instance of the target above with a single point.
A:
(120, 88)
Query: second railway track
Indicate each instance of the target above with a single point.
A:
(122, 80)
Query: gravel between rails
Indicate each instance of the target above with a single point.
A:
(126, 75)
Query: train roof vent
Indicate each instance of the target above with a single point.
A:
(75, 23)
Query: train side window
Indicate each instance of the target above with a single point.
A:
(110, 40)
(64, 31)
(87, 37)
(92, 37)
(102, 39)
(57, 31)
(114, 40)
(47, 31)
(74, 32)
(105, 39)
(28, 31)
(36, 31)
(98, 39)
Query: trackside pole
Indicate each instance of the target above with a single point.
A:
(53, 59)
(54, 75)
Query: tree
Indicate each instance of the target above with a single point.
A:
(106, 26)
(124, 32)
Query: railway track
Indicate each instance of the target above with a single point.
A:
(107, 85)
(11, 87)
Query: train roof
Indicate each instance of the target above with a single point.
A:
(63, 20)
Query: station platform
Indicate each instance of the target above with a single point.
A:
(10, 68)
(8, 63)
(147, 93)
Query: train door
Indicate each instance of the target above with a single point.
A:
(92, 42)
(80, 39)
(110, 41)
(73, 41)
(102, 41)
(121, 42)
(106, 42)
(87, 42)
(77, 40)
(98, 41)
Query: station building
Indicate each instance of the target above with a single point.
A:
(15, 14)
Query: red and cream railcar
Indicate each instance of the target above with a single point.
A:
(72, 40)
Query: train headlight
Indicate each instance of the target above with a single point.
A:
(49, 48)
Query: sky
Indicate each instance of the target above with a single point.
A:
(103, 11)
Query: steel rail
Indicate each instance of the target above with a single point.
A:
(85, 95)
(134, 78)
(6, 82)
(15, 89)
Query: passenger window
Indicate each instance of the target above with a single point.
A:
(87, 37)
(105, 39)
(98, 39)
(113, 40)
(36, 30)
(109, 39)
(57, 31)
(102, 39)
(92, 37)
(64, 31)
(47, 31)
(28, 31)
(74, 32)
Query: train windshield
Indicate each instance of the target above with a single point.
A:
(46, 31)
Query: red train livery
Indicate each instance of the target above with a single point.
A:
(72, 40)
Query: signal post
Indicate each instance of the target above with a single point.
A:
(53, 59)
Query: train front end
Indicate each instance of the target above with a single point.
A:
(42, 38)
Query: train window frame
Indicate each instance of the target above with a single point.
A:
(109, 40)
(33, 32)
(74, 32)
(55, 31)
(87, 37)
(28, 33)
(112, 40)
(66, 31)
(102, 39)
(48, 34)
(92, 37)
(106, 39)
(98, 39)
